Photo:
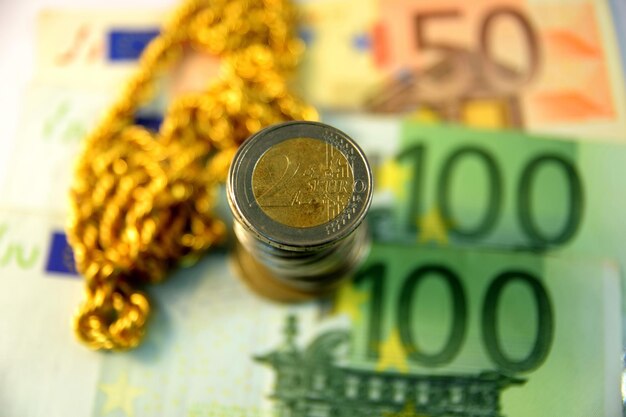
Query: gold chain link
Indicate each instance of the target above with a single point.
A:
(142, 202)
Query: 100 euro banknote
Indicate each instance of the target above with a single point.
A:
(452, 186)
(43, 371)
(418, 331)
(441, 184)
(40, 290)
(429, 332)
(487, 188)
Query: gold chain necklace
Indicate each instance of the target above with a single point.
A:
(141, 202)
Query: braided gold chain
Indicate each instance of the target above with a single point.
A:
(142, 202)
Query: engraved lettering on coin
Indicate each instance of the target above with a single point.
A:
(303, 182)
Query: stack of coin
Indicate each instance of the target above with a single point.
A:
(299, 192)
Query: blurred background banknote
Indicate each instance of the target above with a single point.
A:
(619, 17)
(437, 331)
(434, 184)
(75, 47)
(492, 189)
(39, 289)
(488, 63)
(423, 329)
(454, 186)
(539, 66)
(208, 327)
(475, 329)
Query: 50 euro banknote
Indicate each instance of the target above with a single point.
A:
(417, 331)
(542, 67)
(618, 9)
(533, 65)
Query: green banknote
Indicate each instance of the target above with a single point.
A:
(493, 188)
(44, 372)
(418, 332)
(204, 329)
(53, 123)
(198, 358)
(452, 186)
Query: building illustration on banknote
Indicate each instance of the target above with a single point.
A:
(316, 382)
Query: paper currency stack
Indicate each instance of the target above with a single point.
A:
(496, 130)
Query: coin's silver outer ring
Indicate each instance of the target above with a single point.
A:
(245, 208)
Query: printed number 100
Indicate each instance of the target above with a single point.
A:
(376, 273)
(526, 216)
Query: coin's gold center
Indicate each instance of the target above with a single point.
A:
(303, 182)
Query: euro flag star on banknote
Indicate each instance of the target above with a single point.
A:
(432, 227)
(349, 300)
(391, 177)
(392, 354)
(120, 395)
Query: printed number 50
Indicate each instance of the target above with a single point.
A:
(495, 72)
